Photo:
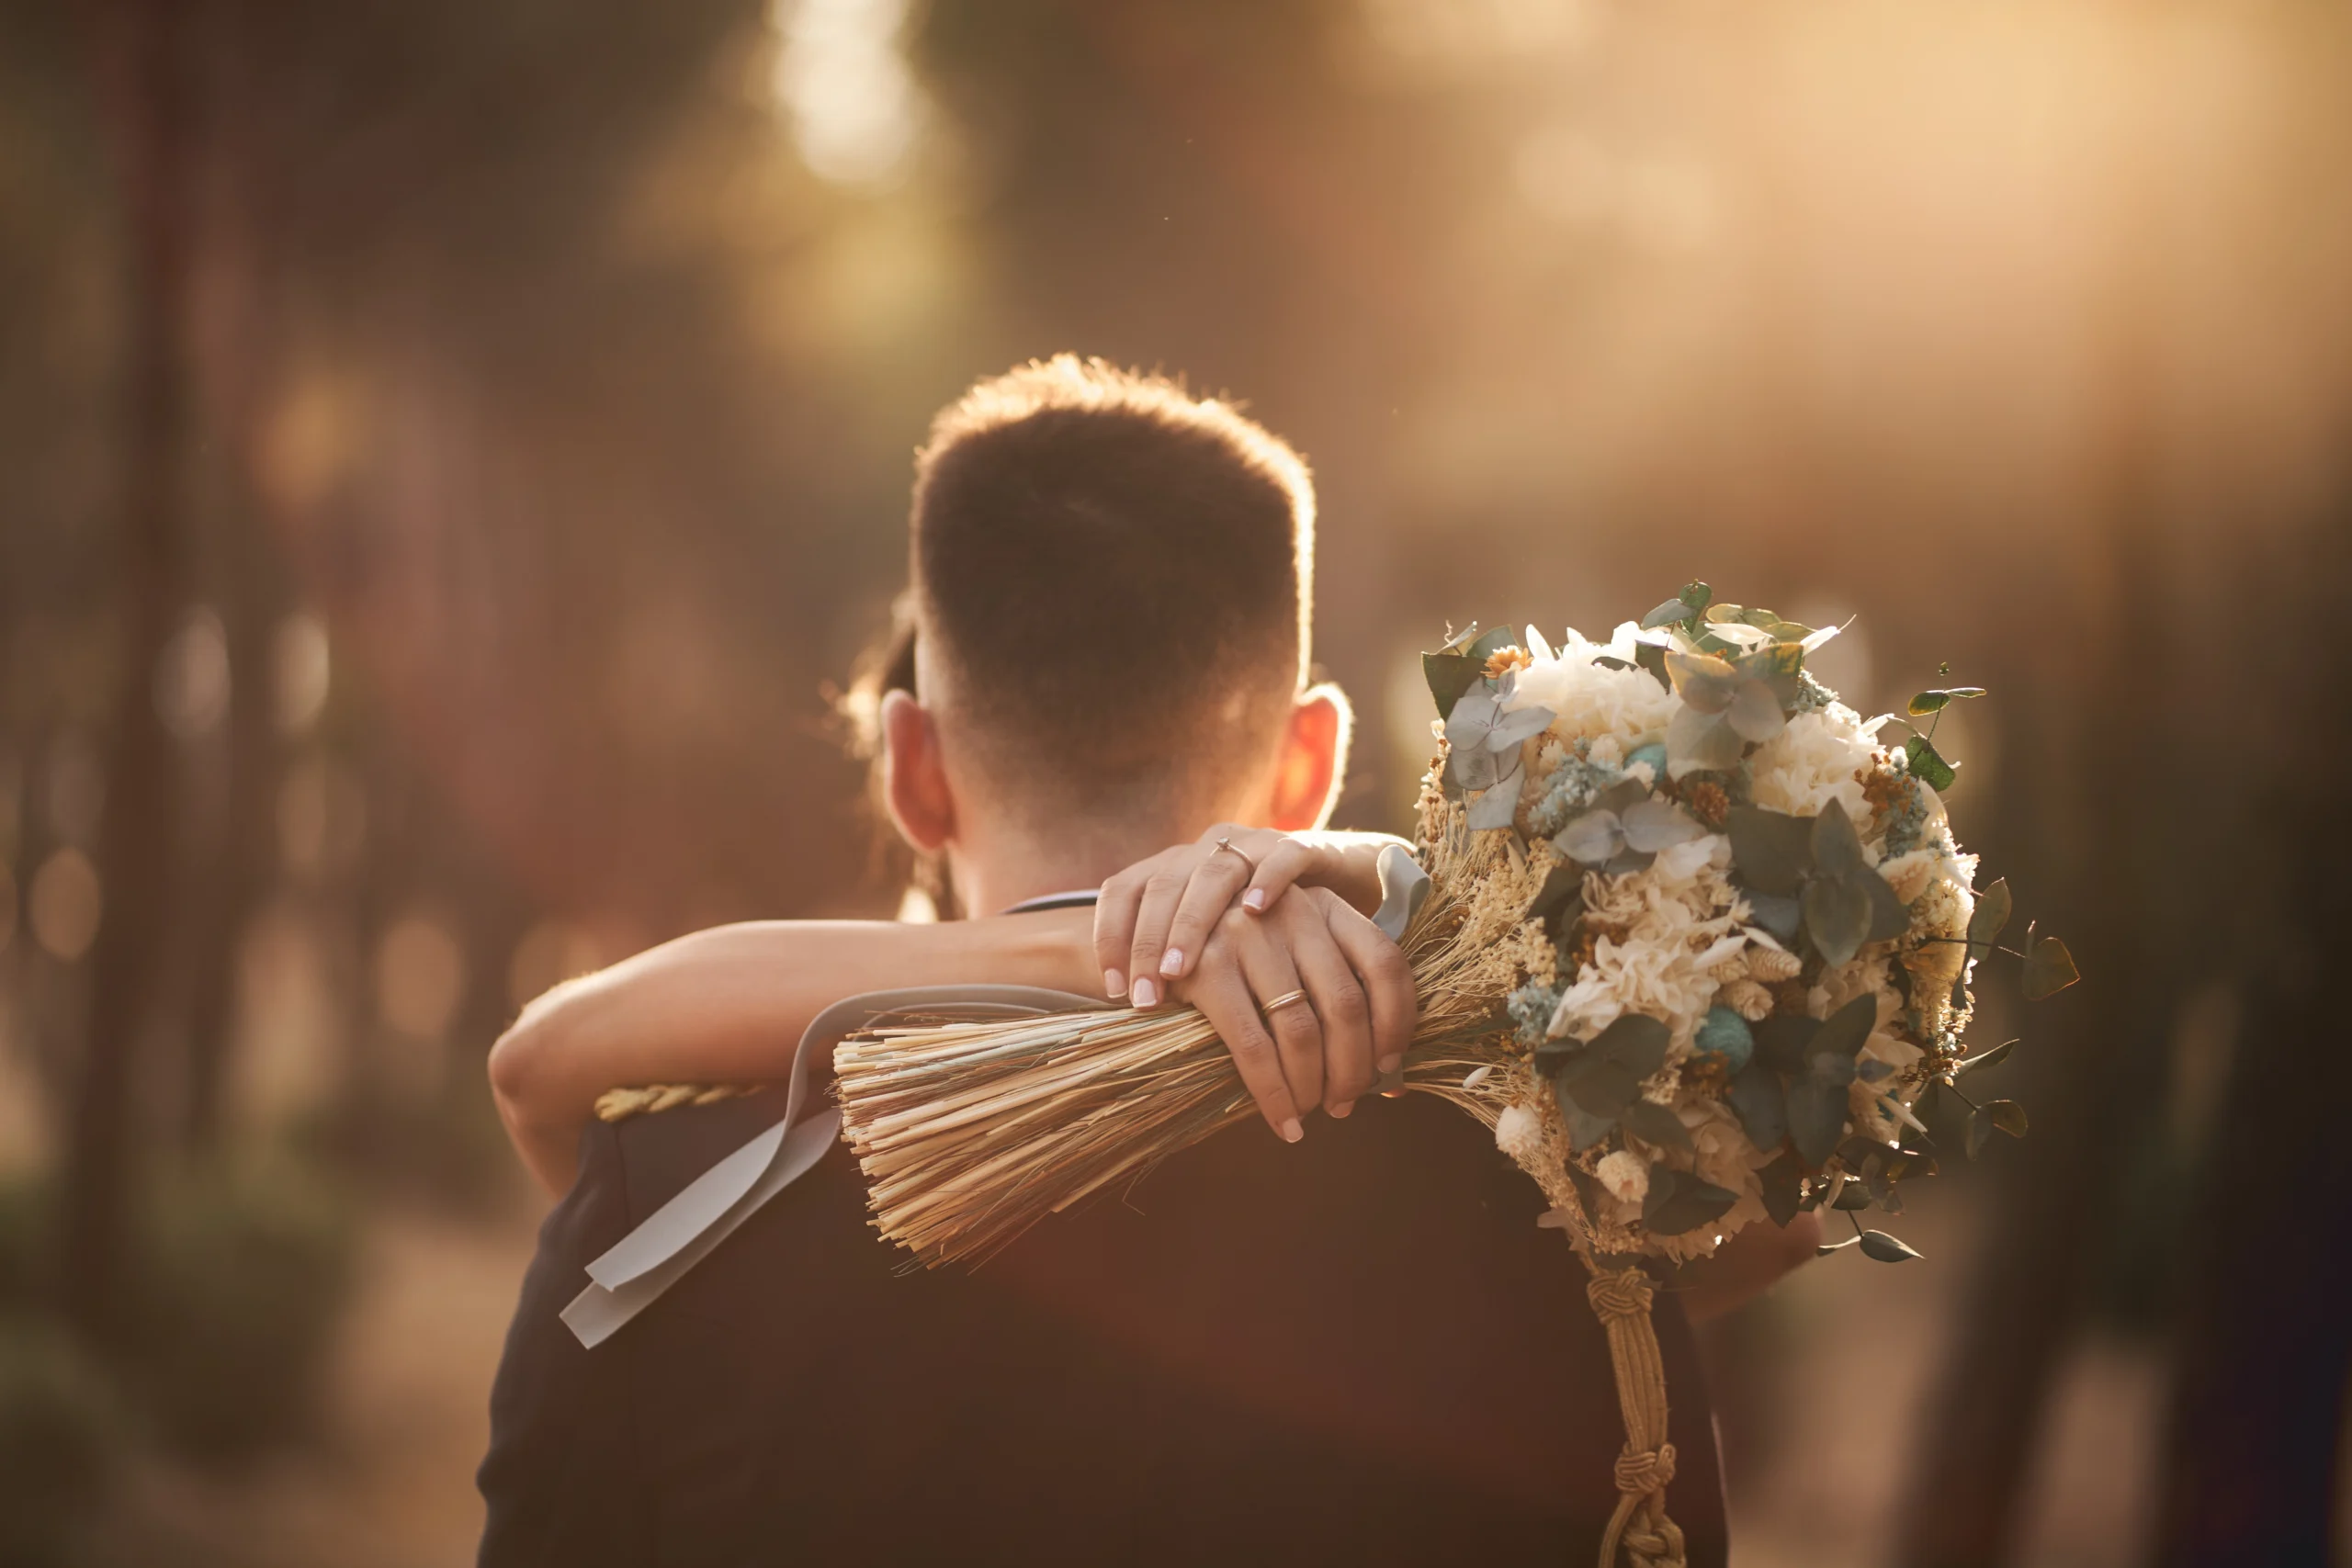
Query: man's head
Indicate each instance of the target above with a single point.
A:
(1111, 603)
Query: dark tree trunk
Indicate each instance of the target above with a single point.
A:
(2265, 1348)
(2084, 826)
(144, 87)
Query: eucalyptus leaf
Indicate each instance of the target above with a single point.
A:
(1622, 796)
(1778, 665)
(1585, 1129)
(1657, 1125)
(1475, 767)
(1783, 1038)
(1783, 1189)
(1651, 658)
(1458, 641)
(2049, 969)
(1980, 1133)
(1473, 718)
(1495, 808)
(1553, 1055)
(1928, 765)
(2008, 1115)
(1837, 916)
(1771, 850)
(1827, 1247)
(1761, 1104)
(1852, 1197)
(1678, 1202)
(1874, 1071)
(1628, 861)
(1593, 839)
(1449, 675)
(1655, 824)
(1599, 1085)
(1666, 614)
(1992, 913)
(1700, 742)
(1836, 848)
(1611, 662)
(1843, 1033)
(1755, 713)
(1697, 595)
(1492, 643)
(1934, 699)
(1520, 724)
(1783, 917)
(1889, 919)
(1992, 1058)
(1886, 1248)
(1702, 681)
(1636, 1042)
(1816, 1117)
(1559, 900)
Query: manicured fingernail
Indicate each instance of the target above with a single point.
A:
(1171, 962)
(1147, 994)
(1114, 983)
(1291, 1130)
(1254, 900)
(1342, 1111)
(1390, 1064)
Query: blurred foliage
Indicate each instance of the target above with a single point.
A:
(238, 1284)
(61, 1433)
(240, 1277)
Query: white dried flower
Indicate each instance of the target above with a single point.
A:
(1519, 1132)
(1625, 1175)
(1588, 698)
(1909, 875)
(1815, 761)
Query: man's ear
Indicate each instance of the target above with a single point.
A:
(1314, 760)
(914, 774)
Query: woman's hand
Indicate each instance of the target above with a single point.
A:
(1155, 916)
(1312, 999)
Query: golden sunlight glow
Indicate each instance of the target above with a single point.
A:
(857, 111)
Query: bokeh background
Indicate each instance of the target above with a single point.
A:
(447, 451)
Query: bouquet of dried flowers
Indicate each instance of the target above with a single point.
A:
(1695, 944)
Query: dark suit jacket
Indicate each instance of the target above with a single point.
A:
(1357, 1350)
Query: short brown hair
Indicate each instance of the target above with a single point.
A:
(1117, 572)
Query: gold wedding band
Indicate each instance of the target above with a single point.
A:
(1285, 1000)
(1236, 848)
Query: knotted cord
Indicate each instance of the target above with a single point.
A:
(620, 1104)
(1621, 1299)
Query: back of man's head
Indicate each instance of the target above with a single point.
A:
(1114, 577)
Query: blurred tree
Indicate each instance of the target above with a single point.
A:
(145, 91)
(2253, 1456)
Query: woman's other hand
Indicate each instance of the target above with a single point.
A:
(1153, 918)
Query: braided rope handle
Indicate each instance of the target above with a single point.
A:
(1621, 1299)
(620, 1104)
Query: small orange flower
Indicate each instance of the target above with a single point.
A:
(1708, 803)
(1504, 660)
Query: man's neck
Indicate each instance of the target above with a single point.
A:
(986, 882)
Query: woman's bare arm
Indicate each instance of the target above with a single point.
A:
(727, 1006)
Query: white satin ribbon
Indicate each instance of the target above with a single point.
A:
(634, 1273)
